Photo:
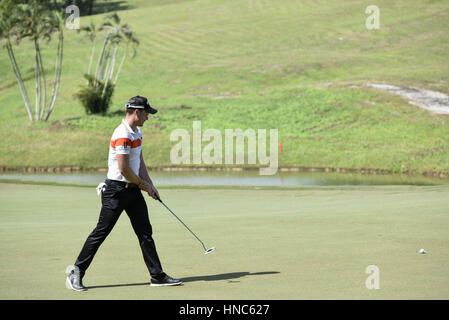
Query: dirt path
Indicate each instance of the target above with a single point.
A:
(435, 102)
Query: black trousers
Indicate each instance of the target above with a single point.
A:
(116, 198)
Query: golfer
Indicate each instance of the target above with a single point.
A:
(127, 176)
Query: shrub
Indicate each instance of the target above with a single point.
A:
(92, 97)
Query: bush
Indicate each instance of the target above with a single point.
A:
(91, 96)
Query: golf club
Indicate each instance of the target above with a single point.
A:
(206, 251)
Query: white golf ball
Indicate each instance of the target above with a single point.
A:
(422, 251)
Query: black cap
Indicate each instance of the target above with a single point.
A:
(139, 102)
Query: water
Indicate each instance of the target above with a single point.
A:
(241, 178)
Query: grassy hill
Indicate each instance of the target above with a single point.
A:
(295, 66)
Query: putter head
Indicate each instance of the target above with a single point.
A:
(209, 250)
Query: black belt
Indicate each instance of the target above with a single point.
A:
(123, 184)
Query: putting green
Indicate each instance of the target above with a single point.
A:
(305, 243)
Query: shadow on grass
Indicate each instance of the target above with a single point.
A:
(115, 113)
(119, 285)
(103, 7)
(215, 277)
(226, 276)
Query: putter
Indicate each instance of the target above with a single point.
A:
(206, 251)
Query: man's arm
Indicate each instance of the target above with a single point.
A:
(126, 171)
(143, 180)
(143, 174)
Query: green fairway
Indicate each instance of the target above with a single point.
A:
(303, 243)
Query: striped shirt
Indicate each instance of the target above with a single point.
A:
(124, 141)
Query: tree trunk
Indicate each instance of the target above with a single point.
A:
(38, 80)
(109, 76)
(15, 68)
(58, 71)
(121, 64)
(100, 59)
(105, 66)
(44, 85)
(90, 61)
(114, 58)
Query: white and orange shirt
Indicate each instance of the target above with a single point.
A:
(124, 141)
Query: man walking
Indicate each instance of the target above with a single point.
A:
(127, 175)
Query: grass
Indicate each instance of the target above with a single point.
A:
(254, 64)
(305, 243)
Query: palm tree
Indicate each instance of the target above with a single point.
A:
(130, 40)
(7, 31)
(37, 23)
(31, 25)
(111, 27)
(115, 40)
(100, 85)
(115, 34)
(56, 24)
(91, 31)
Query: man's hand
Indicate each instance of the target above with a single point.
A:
(154, 193)
(150, 189)
(143, 180)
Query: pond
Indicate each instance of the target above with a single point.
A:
(241, 178)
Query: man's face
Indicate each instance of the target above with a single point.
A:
(141, 117)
